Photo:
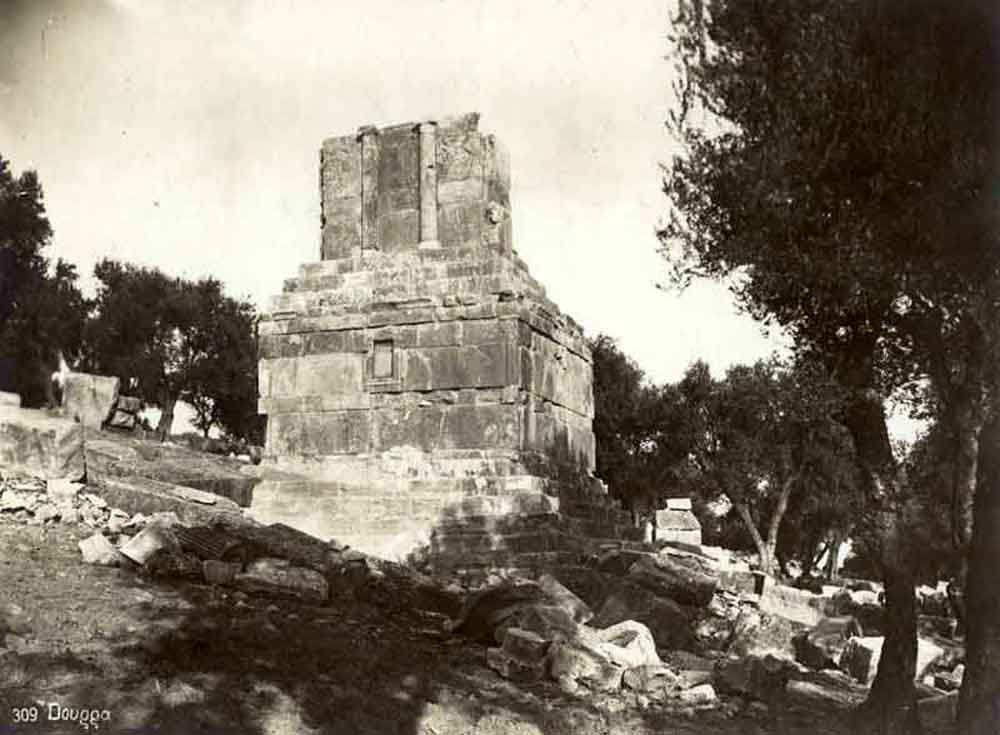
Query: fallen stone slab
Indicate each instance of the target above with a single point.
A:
(142, 495)
(551, 622)
(584, 664)
(89, 399)
(220, 572)
(650, 679)
(111, 455)
(628, 643)
(61, 490)
(515, 669)
(821, 646)
(35, 442)
(281, 577)
(524, 645)
(141, 547)
(699, 695)
(800, 606)
(487, 609)
(565, 598)
(761, 677)
(673, 578)
(860, 657)
(668, 622)
(97, 549)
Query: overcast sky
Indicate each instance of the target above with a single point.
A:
(185, 135)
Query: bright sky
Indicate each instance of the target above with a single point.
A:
(185, 134)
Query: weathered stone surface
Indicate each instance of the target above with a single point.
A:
(761, 677)
(35, 442)
(759, 633)
(96, 549)
(678, 524)
(551, 622)
(585, 664)
(447, 349)
(820, 647)
(793, 604)
(950, 681)
(524, 645)
(860, 657)
(628, 644)
(279, 576)
(122, 457)
(668, 622)
(579, 609)
(699, 695)
(650, 678)
(141, 495)
(89, 399)
(669, 577)
(514, 668)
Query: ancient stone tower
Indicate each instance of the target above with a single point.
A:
(420, 388)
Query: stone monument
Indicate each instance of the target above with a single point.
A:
(423, 394)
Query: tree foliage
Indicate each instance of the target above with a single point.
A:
(41, 308)
(170, 339)
(847, 176)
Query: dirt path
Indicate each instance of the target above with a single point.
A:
(152, 657)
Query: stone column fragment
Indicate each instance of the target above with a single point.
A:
(428, 186)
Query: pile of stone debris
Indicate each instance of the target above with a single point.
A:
(677, 628)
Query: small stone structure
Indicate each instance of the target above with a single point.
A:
(421, 389)
(677, 523)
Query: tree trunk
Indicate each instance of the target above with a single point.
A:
(763, 550)
(979, 700)
(166, 418)
(891, 702)
(831, 563)
(775, 523)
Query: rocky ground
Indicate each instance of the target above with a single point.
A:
(145, 655)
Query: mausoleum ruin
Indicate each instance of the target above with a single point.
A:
(423, 394)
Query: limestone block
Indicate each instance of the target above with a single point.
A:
(513, 668)
(629, 644)
(650, 679)
(549, 622)
(131, 404)
(668, 622)
(860, 658)
(456, 191)
(122, 420)
(89, 399)
(554, 588)
(820, 648)
(398, 171)
(398, 229)
(794, 604)
(433, 428)
(340, 168)
(460, 224)
(761, 677)
(524, 645)
(460, 155)
(584, 664)
(341, 227)
(35, 442)
(312, 375)
(672, 578)
(279, 576)
(470, 366)
(561, 376)
(96, 549)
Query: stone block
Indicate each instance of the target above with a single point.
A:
(524, 645)
(794, 604)
(340, 169)
(821, 647)
(121, 420)
(629, 644)
(398, 230)
(650, 679)
(579, 609)
(130, 404)
(761, 677)
(668, 622)
(584, 664)
(12, 400)
(515, 669)
(37, 443)
(673, 578)
(96, 549)
(443, 368)
(341, 234)
(323, 374)
(89, 399)
(460, 224)
(281, 577)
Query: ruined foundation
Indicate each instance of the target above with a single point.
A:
(423, 394)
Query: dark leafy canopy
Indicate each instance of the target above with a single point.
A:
(170, 339)
(41, 313)
(849, 185)
(639, 443)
